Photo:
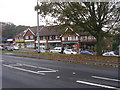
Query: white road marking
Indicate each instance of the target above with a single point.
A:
(39, 67)
(23, 69)
(94, 84)
(16, 64)
(47, 71)
(106, 78)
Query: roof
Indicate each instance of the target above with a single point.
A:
(51, 30)
(54, 30)
(46, 31)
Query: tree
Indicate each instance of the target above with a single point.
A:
(21, 28)
(9, 31)
(116, 41)
(97, 18)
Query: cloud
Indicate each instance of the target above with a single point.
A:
(19, 12)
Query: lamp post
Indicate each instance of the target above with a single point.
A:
(38, 38)
(119, 49)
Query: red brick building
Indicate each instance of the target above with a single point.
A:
(51, 37)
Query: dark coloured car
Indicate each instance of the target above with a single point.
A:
(86, 53)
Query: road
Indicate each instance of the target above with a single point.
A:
(23, 72)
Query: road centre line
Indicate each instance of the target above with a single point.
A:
(23, 69)
(106, 78)
(94, 84)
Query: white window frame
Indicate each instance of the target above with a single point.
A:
(26, 37)
(57, 37)
(31, 37)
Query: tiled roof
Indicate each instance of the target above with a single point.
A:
(45, 31)
(52, 30)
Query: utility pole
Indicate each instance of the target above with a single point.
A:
(38, 38)
(119, 49)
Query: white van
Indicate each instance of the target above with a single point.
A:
(56, 50)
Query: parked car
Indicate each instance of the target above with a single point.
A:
(1, 48)
(41, 51)
(111, 53)
(69, 51)
(15, 48)
(56, 50)
(10, 48)
(86, 53)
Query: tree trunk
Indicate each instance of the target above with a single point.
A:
(99, 46)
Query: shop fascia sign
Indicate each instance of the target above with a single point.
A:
(70, 42)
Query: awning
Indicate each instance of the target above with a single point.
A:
(9, 39)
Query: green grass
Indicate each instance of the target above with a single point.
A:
(26, 52)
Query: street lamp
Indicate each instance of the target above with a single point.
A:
(38, 30)
(38, 38)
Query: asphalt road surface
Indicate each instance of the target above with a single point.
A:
(23, 72)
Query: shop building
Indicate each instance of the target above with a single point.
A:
(19, 40)
(51, 37)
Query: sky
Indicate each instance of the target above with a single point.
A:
(18, 12)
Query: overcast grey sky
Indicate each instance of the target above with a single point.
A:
(19, 12)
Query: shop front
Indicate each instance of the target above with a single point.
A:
(48, 44)
(55, 43)
(29, 44)
(20, 43)
(71, 45)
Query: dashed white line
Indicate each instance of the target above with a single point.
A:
(39, 67)
(23, 69)
(106, 78)
(47, 71)
(94, 84)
